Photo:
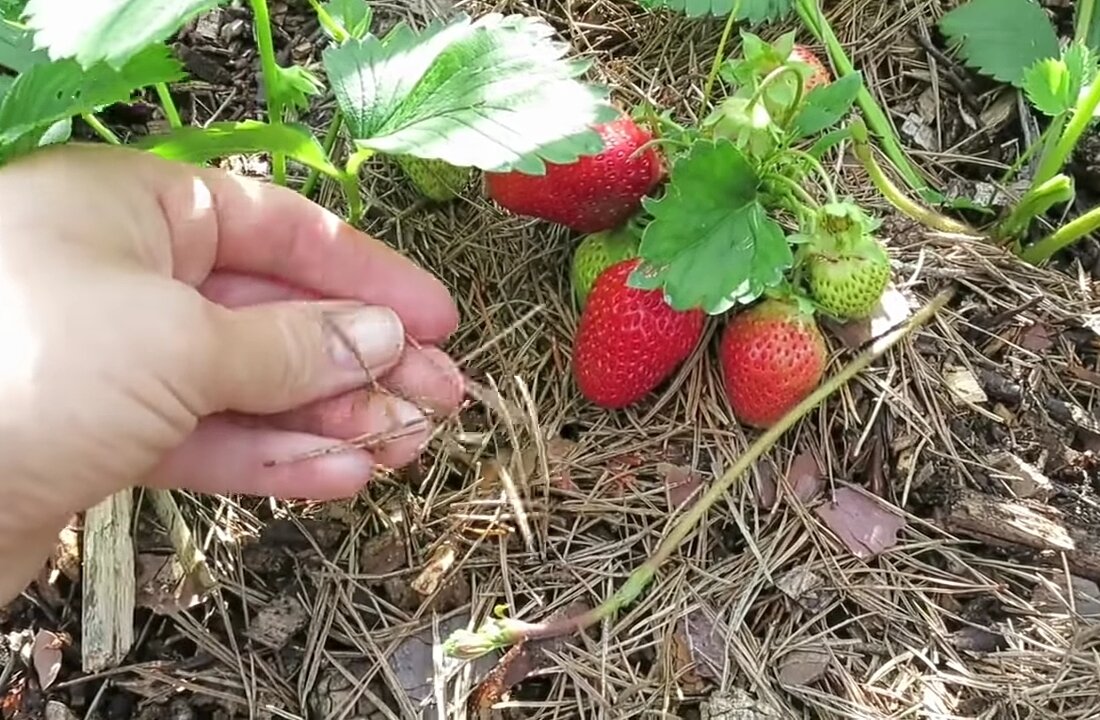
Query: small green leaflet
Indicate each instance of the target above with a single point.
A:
(12, 9)
(1054, 85)
(199, 145)
(295, 85)
(827, 105)
(754, 12)
(17, 51)
(711, 243)
(1001, 38)
(50, 92)
(111, 31)
(353, 16)
(494, 94)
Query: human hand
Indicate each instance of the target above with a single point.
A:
(172, 326)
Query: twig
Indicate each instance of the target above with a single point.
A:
(109, 590)
(501, 633)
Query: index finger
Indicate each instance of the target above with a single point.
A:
(273, 232)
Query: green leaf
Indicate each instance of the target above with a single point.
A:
(754, 12)
(50, 92)
(199, 145)
(827, 105)
(57, 133)
(1054, 85)
(111, 31)
(1001, 38)
(495, 94)
(711, 243)
(295, 85)
(12, 9)
(17, 51)
(354, 16)
(828, 141)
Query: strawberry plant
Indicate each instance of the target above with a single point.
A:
(1014, 42)
(493, 94)
(757, 12)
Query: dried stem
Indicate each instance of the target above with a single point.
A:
(501, 633)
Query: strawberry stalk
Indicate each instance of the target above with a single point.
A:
(769, 80)
(265, 44)
(861, 145)
(819, 170)
(810, 13)
(500, 633)
(1063, 237)
(719, 56)
(168, 105)
(350, 184)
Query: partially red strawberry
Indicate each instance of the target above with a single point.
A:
(629, 341)
(772, 356)
(595, 193)
(821, 75)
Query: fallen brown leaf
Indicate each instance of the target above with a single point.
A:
(46, 654)
(698, 650)
(804, 477)
(802, 667)
(681, 484)
(1037, 338)
(862, 524)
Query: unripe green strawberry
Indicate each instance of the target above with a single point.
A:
(596, 253)
(848, 283)
(436, 179)
(772, 356)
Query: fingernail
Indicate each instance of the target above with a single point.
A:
(369, 338)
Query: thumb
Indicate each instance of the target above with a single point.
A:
(275, 357)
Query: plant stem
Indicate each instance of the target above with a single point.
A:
(339, 34)
(265, 43)
(1046, 141)
(102, 130)
(810, 12)
(719, 56)
(1085, 9)
(1035, 202)
(819, 170)
(329, 143)
(928, 217)
(350, 183)
(169, 105)
(1082, 116)
(769, 80)
(795, 188)
(644, 573)
(1061, 238)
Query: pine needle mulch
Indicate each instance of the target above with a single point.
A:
(957, 585)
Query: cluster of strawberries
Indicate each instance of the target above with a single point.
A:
(630, 340)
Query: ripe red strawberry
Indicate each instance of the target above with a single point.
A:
(772, 356)
(595, 193)
(629, 341)
(821, 75)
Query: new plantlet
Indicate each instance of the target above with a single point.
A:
(1013, 41)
